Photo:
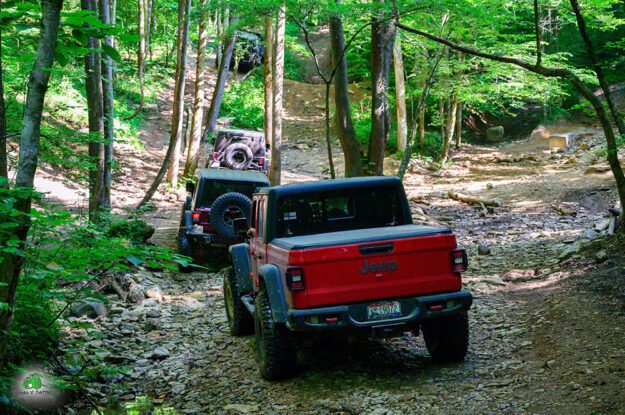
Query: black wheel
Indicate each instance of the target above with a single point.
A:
(185, 245)
(447, 338)
(225, 209)
(275, 346)
(240, 321)
(238, 156)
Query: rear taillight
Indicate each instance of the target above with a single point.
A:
(459, 260)
(261, 161)
(195, 217)
(295, 279)
(215, 155)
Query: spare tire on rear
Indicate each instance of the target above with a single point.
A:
(227, 207)
(238, 156)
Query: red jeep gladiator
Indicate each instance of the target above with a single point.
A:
(343, 255)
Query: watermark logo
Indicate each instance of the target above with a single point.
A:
(36, 388)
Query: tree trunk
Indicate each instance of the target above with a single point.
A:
(328, 138)
(400, 87)
(441, 114)
(93, 87)
(590, 49)
(178, 105)
(176, 126)
(106, 13)
(220, 85)
(352, 150)
(4, 166)
(141, 50)
(268, 68)
(382, 34)
(193, 153)
(148, 30)
(10, 264)
(275, 170)
(218, 40)
(459, 126)
(449, 129)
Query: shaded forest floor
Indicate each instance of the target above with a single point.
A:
(547, 325)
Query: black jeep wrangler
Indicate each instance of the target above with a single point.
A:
(240, 150)
(218, 197)
(249, 49)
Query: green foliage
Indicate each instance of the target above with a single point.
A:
(244, 103)
(135, 230)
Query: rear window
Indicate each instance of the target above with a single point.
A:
(211, 190)
(334, 211)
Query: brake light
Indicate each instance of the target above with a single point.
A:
(195, 217)
(261, 161)
(295, 279)
(459, 260)
(215, 155)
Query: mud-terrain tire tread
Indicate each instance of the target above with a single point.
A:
(224, 201)
(447, 338)
(277, 341)
(240, 321)
(238, 148)
(184, 243)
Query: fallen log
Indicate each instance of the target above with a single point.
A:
(474, 199)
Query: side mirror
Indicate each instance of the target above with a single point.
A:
(240, 226)
(190, 186)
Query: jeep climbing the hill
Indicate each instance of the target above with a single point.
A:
(239, 150)
(218, 197)
(343, 255)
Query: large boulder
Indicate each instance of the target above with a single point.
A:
(495, 134)
(91, 309)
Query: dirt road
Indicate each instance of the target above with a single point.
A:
(547, 326)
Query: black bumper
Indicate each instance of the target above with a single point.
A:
(413, 310)
(211, 239)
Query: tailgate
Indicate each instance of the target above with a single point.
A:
(378, 270)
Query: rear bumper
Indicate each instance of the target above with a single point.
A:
(413, 310)
(211, 239)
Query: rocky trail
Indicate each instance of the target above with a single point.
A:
(547, 324)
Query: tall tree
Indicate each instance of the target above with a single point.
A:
(193, 153)
(93, 87)
(275, 170)
(141, 53)
(268, 80)
(352, 151)
(400, 92)
(184, 6)
(592, 55)
(10, 264)
(178, 105)
(220, 84)
(382, 35)
(4, 167)
(449, 128)
(149, 20)
(107, 10)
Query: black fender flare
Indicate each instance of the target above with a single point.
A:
(241, 264)
(270, 275)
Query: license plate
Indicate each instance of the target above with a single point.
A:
(387, 309)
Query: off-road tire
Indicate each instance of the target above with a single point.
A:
(240, 321)
(223, 202)
(275, 345)
(447, 338)
(185, 245)
(238, 156)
